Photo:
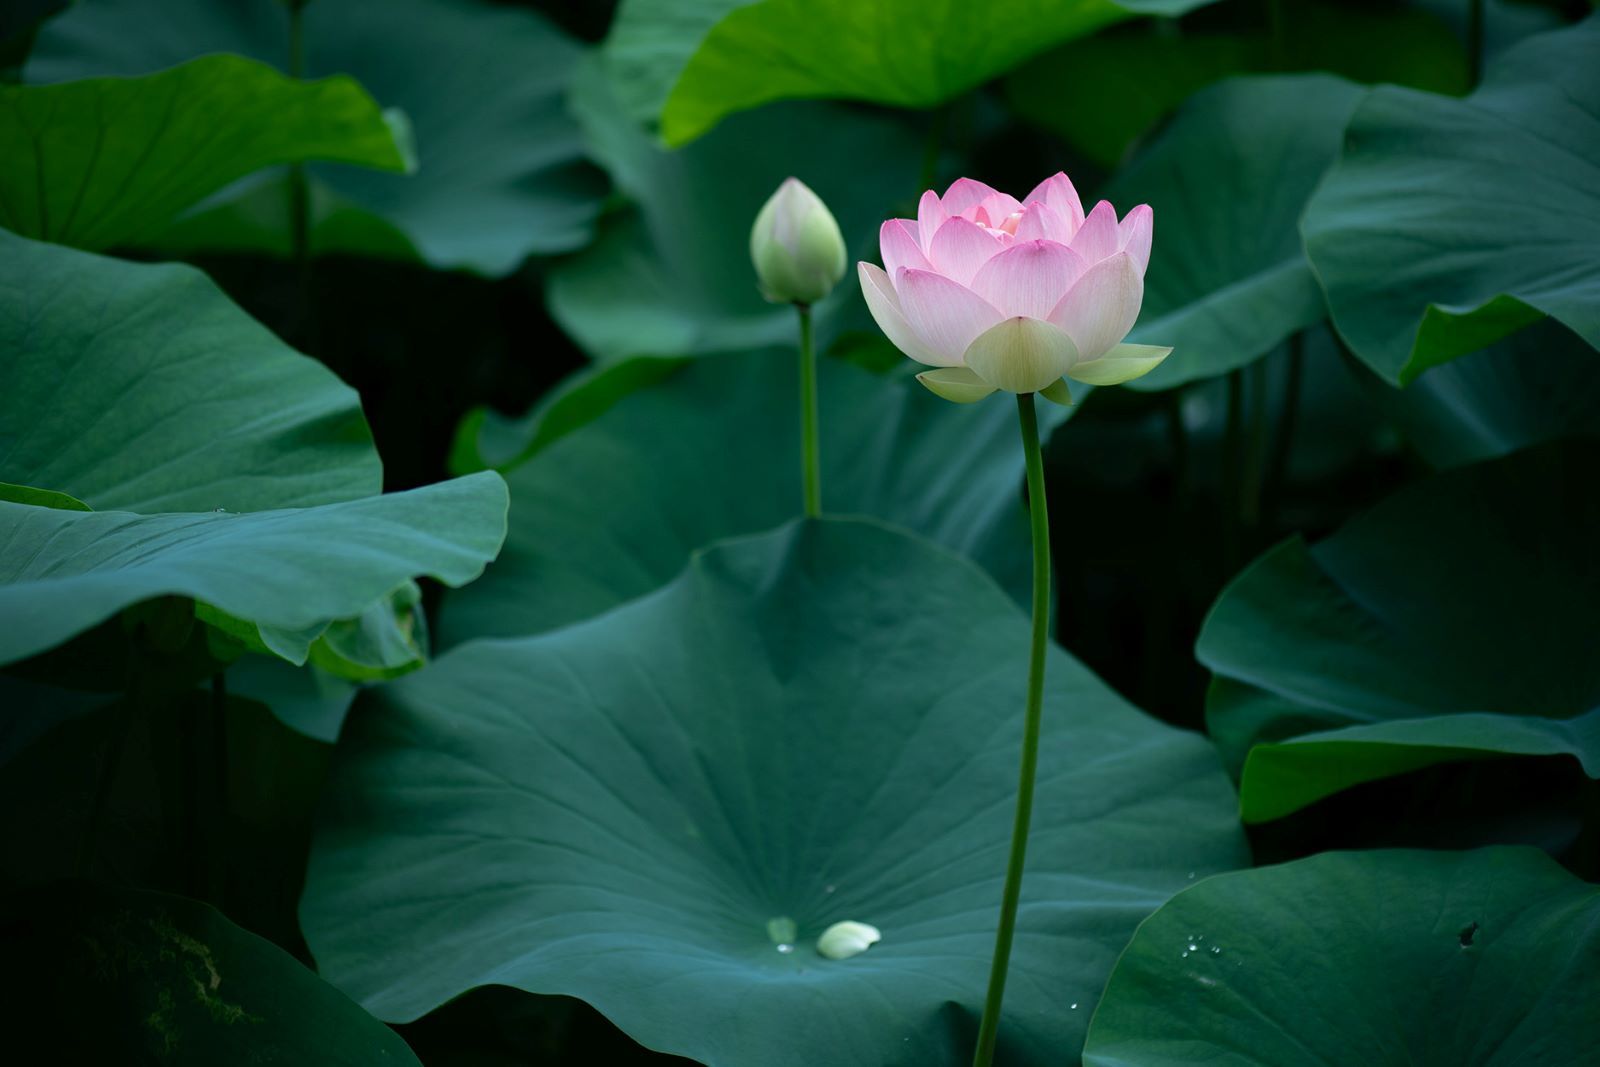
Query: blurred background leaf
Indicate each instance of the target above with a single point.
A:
(1399, 642)
(106, 161)
(1228, 181)
(1481, 211)
(168, 980)
(500, 173)
(673, 275)
(690, 481)
(695, 64)
(1136, 75)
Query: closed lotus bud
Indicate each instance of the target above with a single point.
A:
(796, 246)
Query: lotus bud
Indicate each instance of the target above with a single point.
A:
(796, 246)
(843, 940)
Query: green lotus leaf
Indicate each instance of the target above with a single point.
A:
(1453, 621)
(1431, 959)
(499, 171)
(695, 63)
(139, 387)
(1136, 78)
(1540, 384)
(138, 390)
(815, 725)
(1417, 272)
(673, 277)
(105, 162)
(1228, 179)
(889, 449)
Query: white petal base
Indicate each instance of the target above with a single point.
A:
(1021, 355)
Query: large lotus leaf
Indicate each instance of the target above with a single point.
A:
(723, 57)
(1447, 224)
(99, 975)
(293, 570)
(1422, 959)
(1136, 78)
(814, 725)
(499, 172)
(890, 448)
(106, 161)
(1539, 384)
(674, 277)
(1228, 280)
(1456, 620)
(143, 388)
(138, 389)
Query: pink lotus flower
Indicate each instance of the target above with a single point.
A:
(1001, 294)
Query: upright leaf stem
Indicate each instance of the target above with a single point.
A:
(1039, 517)
(810, 447)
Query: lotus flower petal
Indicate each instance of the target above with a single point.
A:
(994, 210)
(1123, 363)
(1135, 233)
(1041, 222)
(964, 195)
(1059, 195)
(1100, 308)
(1017, 293)
(884, 304)
(957, 384)
(897, 239)
(1029, 278)
(1097, 237)
(945, 314)
(1021, 355)
(960, 248)
(930, 216)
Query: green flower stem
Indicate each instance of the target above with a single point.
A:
(1039, 516)
(810, 449)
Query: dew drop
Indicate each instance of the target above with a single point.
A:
(782, 932)
(1215, 951)
(1192, 948)
(1191, 876)
(1184, 955)
(1074, 1005)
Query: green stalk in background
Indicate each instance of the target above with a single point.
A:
(1039, 518)
(810, 447)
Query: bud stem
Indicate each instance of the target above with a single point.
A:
(1039, 517)
(810, 450)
